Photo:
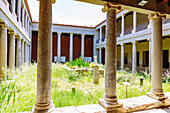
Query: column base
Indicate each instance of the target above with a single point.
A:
(44, 108)
(134, 30)
(158, 95)
(111, 107)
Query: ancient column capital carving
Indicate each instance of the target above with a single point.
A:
(12, 32)
(157, 15)
(111, 5)
(4, 24)
(53, 1)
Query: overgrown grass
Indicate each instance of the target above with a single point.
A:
(23, 88)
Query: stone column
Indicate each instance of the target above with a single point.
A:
(94, 46)
(13, 7)
(59, 47)
(122, 57)
(25, 21)
(109, 100)
(157, 61)
(19, 11)
(18, 52)
(150, 53)
(134, 22)
(12, 50)
(3, 49)
(134, 57)
(123, 26)
(22, 52)
(101, 34)
(25, 52)
(82, 46)
(28, 25)
(44, 102)
(100, 55)
(71, 47)
(29, 54)
(150, 23)
(23, 12)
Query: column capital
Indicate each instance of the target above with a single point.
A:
(122, 44)
(149, 39)
(18, 37)
(12, 32)
(134, 42)
(59, 33)
(4, 24)
(111, 5)
(157, 15)
(82, 35)
(22, 6)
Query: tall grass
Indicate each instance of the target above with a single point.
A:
(22, 91)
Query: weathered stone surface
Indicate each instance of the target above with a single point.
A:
(96, 74)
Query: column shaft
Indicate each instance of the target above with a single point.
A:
(25, 51)
(150, 54)
(134, 22)
(12, 50)
(3, 50)
(157, 61)
(22, 52)
(19, 10)
(44, 102)
(13, 7)
(122, 57)
(101, 34)
(18, 52)
(134, 58)
(123, 25)
(59, 48)
(71, 47)
(100, 55)
(23, 12)
(25, 22)
(82, 46)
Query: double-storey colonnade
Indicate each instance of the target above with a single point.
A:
(15, 36)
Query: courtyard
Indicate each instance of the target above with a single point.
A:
(18, 94)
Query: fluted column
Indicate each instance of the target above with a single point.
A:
(3, 50)
(82, 46)
(71, 47)
(122, 57)
(134, 57)
(150, 53)
(13, 7)
(123, 26)
(44, 102)
(23, 12)
(59, 47)
(134, 22)
(109, 100)
(18, 52)
(12, 50)
(22, 52)
(101, 34)
(157, 61)
(19, 11)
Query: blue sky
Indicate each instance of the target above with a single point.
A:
(71, 12)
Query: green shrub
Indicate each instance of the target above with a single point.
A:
(73, 76)
(78, 63)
